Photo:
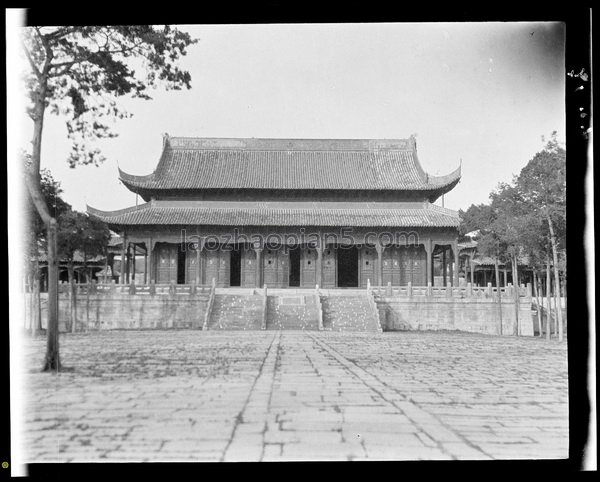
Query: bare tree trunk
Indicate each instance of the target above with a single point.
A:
(559, 321)
(548, 308)
(40, 286)
(88, 281)
(516, 294)
(38, 307)
(537, 302)
(73, 298)
(499, 295)
(553, 301)
(52, 360)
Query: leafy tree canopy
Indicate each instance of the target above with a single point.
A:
(80, 71)
(518, 218)
(80, 232)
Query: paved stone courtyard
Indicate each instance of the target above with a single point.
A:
(273, 396)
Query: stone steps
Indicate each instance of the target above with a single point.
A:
(348, 313)
(236, 312)
(298, 312)
(302, 315)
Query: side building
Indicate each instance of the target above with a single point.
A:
(288, 213)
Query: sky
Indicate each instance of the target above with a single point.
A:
(480, 94)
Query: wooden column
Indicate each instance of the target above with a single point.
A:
(198, 261)
(127, 256)
(134, 245)
(449, 260)
(429, 250)
(379, 248)
(455, 272)
(259, 266)
(472, 268)
(149, 249)
(319, 268)
(146, 265)
(203, 264)
(505, 275)
(123, 263)
(444, 266)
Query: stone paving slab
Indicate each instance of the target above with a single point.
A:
(274, 396)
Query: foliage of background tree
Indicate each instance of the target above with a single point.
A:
(527, 218)
(82, 234)
(542, 186)
(78, 232)
(79, 72)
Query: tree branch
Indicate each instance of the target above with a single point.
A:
(61, 32)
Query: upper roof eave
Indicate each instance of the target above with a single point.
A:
(403, 173)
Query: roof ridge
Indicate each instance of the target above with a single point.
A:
(286, 144)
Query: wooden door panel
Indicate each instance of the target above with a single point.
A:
(329, 268)
(248, 275)
(167, 263)
(308, 263)
(367, 259)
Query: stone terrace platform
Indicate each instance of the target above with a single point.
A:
(268, 396)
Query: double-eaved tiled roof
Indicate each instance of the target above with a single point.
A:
(288, 164)
(232, 213)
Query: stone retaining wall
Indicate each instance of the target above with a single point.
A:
(478, 315)
(123, 311)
